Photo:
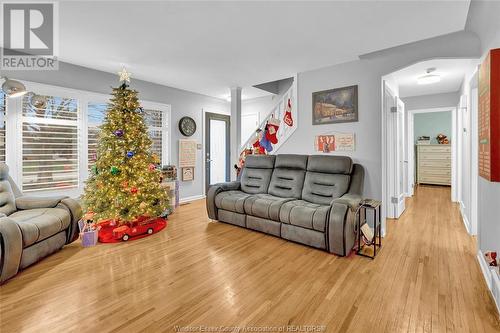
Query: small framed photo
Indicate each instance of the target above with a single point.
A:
(187, 174)
(333, 106)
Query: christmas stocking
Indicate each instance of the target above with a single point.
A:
(264, 142)
(288, 114)
(258, 149)
(273, 125)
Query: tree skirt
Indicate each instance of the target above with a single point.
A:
(112, 232)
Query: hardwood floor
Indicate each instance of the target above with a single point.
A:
(197, 272)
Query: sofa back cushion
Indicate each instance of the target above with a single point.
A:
(288, 176)
(327, 178)
(256, 173)
(7, 199)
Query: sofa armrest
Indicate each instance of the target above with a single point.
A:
(341, 231)
(212, 193)
(26, 202)
(11, 248)
(76, 213)
(350, 199)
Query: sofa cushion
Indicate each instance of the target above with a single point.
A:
(304, 214)
(264, 205)
(256, 173)
(39, 224)
(231, 201)
(288, 176)
(330, 164)
(322, 188)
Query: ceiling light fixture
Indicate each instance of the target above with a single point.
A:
(429, 78)
(13, 88)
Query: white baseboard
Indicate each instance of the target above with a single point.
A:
(492, 279)
(191, 198)
(464, 218)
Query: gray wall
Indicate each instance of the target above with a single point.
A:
(367, 73)
(483, 20)
(431, 101)
(184, 103)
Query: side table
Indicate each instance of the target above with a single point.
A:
(375, 206)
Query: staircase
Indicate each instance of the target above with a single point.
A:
(278, 112)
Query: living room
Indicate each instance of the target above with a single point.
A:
(250, 166)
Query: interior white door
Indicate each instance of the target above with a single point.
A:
(249, 123)
(400, 160)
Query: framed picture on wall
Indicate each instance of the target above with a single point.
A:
(339, 105)
(187, 174)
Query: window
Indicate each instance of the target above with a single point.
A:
(96, 113)
(2, 126)
(49, 144)
(157, 126)
(53, 135)
(155, 121)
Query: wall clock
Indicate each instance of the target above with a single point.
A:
(187, 126)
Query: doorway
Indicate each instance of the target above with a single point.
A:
(217, 149)
(394, 111)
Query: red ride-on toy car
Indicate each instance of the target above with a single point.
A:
(141, 226)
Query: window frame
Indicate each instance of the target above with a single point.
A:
(14, 123)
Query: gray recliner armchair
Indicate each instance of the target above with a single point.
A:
(32, 228)
(306, 199)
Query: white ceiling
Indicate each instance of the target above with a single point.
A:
(452, 72)
(207, 47)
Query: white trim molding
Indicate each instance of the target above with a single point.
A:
(464, 217)
(191, 198)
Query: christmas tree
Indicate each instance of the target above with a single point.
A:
(124, 182)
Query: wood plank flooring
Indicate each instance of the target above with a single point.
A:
(197, 272)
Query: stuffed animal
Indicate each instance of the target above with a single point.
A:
(442, 139)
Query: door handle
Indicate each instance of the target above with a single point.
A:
(208, 160)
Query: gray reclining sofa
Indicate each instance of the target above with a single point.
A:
(31, 228)
(306, 199)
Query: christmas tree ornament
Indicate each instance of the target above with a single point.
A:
(142, 205)
(287, 118)
(152, 167)
(130, 154)
(118, 133)
(156, 159)
(125, 184)
(114, 170)
(134, 190)
(273, 125)
(94, 170)
(264, 142)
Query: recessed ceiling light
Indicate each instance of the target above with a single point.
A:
(429, 78)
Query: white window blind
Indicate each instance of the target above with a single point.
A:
(155, 121)
(49, 144)
(2, 126)
(96, 113)
(156, 125)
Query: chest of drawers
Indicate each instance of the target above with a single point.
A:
(434, 164)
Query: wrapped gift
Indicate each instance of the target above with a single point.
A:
(88, 232)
